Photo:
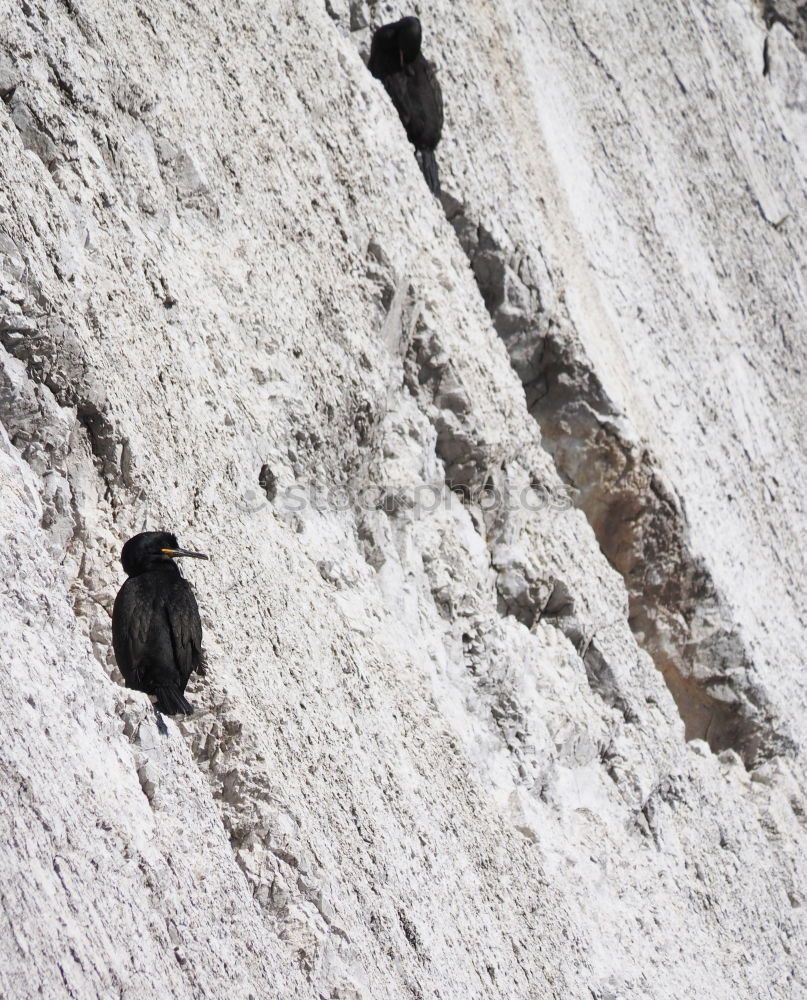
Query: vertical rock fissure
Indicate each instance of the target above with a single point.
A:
(675, 611)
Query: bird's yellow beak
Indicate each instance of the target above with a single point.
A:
(174, 553)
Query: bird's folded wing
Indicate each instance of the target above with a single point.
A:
(131, 622)
(397, 87)
(186, 628)
(437, 93)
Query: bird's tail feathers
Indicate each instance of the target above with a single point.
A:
(171, 701)
(428, 164)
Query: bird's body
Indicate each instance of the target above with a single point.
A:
(410, 81)
(156, 629)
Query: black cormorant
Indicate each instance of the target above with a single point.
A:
(410, 80)
(156, 630)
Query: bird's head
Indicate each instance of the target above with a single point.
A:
(150, 548)
(409, 38)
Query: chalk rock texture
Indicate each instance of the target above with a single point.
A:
(504, 494)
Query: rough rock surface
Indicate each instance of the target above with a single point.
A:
(504, 495)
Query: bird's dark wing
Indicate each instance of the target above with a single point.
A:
(437, 97)
(186, 628)
(418, 99)
(131, 622)
(397, 86)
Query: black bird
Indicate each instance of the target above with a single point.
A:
(156, 629)
(410, 80)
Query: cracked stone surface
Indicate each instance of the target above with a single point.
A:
(504, 495)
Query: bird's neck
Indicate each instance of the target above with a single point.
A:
(168, 568)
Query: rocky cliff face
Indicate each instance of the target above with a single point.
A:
(503, 493)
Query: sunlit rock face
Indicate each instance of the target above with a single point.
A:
(503, 493)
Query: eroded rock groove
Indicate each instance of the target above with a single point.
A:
(676, 613)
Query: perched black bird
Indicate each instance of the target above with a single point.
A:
(156, 630)
(410, 80)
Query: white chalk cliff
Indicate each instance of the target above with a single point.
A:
(504, 495)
